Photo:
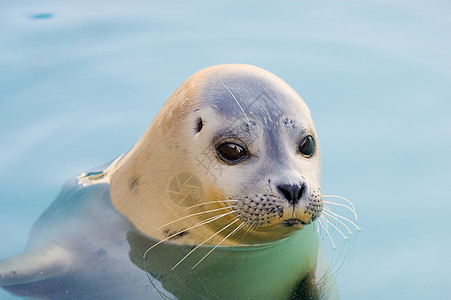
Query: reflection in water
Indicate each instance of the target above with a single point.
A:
(255, 272)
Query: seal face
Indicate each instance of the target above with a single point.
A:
(249, 139)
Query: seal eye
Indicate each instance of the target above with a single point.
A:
(231, 153)
(307, 146)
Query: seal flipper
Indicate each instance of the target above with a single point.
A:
(33, 265)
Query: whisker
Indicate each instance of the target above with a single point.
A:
(333, 225)
(236, 100)
(230, 234)
(250, 227)
(162, 295)
(209, 220)
(211, 202)
(317, 227)
(343, 205)
(324, 223)
(338, 220)
(192, 215)
(327, 231)
(203, 243)
(340, 197)
(346, 219)
(254, 231)
(320, 226)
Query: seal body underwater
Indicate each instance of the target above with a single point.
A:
(216, 200)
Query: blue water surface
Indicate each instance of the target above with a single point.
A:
(80, 81)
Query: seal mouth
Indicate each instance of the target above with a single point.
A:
(292, 222)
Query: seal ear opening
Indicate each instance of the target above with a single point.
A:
(199, 125)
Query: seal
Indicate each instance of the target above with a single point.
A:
(215, 201)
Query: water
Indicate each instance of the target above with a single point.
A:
(80, 82)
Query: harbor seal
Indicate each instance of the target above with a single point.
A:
(215, 201)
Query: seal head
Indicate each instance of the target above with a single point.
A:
(247, 139)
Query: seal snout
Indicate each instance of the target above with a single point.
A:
(292, 192)
(302, 204)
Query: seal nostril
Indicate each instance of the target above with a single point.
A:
(300, 192)
(286, 193)
(292, 192)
